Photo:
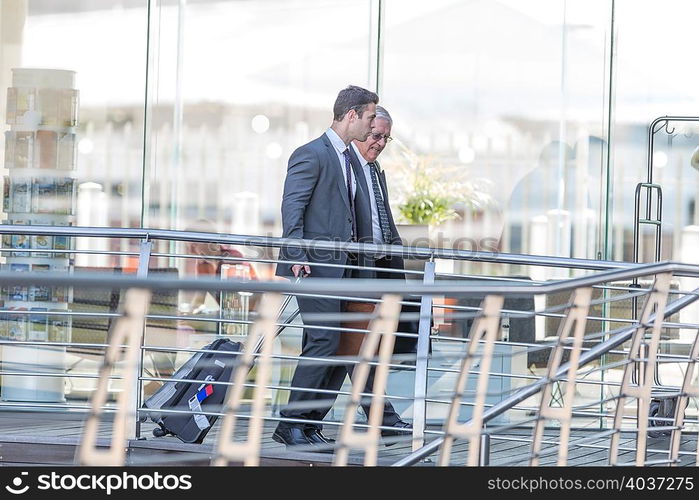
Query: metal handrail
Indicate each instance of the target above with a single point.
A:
(277, 242)
(530, 390)
(609, 272)
(366, 287)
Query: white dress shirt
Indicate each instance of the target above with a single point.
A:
(340, 146)
(375, 221)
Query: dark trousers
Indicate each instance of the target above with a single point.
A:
(350, 344)
(309, 374)
(326, 376)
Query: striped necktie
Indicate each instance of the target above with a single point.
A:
(380, 205)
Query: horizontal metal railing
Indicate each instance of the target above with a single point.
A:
(369, 290)
(277, 242)
(585, 358)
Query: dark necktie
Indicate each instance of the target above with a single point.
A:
(348, 171)
(380, 205)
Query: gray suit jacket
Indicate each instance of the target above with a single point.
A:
(315, 206)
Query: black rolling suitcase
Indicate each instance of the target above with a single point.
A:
(201, 396)
(193, 397)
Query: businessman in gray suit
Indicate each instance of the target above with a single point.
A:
(322, 200)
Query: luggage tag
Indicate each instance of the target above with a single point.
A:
(205, 390)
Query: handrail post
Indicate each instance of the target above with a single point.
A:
(423, 346)
(144, 252)
(484, 455)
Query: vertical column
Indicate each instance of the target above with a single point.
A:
(376, 45)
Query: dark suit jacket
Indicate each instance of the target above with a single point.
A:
(364, 222)
(403, 344)
(315, 206)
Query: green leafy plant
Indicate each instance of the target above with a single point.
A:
(431, 190)
(427, 204)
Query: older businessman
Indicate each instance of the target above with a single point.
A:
(376, 225)
(320, 202)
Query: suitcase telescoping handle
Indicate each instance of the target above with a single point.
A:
(288, 321)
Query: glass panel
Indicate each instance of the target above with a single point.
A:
(72, 82)
(240, 85)
(224, 126)
(85, 85)
(236, 88)
(502, 105)
(655, 79)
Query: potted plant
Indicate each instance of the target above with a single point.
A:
(429, 193)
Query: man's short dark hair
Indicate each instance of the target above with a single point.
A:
(355, 98)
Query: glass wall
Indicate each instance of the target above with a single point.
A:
(237, 86)
(72, 102)
(508, 99)
(531, 116)
(104, 44)
(189, 110)
(655, 77)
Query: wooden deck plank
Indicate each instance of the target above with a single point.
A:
(45, 438)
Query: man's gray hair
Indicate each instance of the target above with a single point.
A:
(382, 113)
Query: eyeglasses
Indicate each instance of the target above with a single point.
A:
(378, 137)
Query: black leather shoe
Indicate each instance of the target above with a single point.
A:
(400, 429)
(315, 436)
(291, 435)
